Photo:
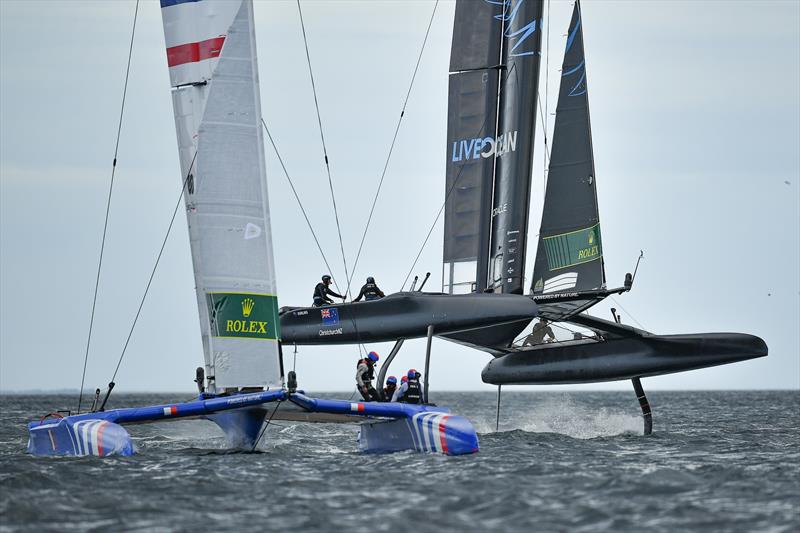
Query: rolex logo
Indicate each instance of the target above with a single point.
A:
(591, 237)
(247, 307)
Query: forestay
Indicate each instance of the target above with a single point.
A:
(214, 75)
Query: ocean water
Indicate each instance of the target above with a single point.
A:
(717, 461)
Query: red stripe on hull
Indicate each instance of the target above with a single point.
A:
(100, 438)
(194, 52)
(443, 433)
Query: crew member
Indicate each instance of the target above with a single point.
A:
(390, 388)
(540, 329)
(413, 392)
(322, 290)
(401, 389)
(370, 291)
(365, 373)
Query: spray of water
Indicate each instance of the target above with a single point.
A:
(565, 416)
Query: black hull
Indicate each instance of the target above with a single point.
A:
(404, 315)
(589, 361)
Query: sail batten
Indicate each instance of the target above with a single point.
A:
(570, 253)
(217, 117)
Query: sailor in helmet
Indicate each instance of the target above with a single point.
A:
(370, 291)
(390, 388)
(365, 373)
(401, 389)
(413, 390)
(322, 290)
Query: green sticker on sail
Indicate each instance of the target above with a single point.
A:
(573, 248)
(253, 316)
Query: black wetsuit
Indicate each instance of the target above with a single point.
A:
(321, 292)
(369, 291)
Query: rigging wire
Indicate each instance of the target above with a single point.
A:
(153, 272)
(297, 197)
(324, 147)
(266, 425)
(108, 207)
(446, 197)
(305, 215)
(626, 311)
(546, 98)
(391, 147)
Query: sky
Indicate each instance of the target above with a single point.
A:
(696, 123)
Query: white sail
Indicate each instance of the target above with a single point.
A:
(212, 62)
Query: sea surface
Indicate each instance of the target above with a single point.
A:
(717, 461)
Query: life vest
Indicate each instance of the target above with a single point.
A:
(413, 393)
(371, 292)
(369, 374)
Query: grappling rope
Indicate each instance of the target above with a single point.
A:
(324, 147)
(391, 147)
(108, 207)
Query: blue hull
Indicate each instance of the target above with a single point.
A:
(72, 436)
(402, 426)
(389, 427)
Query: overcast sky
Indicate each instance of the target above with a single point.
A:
(696, 122)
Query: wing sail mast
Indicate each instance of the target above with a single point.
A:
(494, 65)
(475, 60)
(214, 77)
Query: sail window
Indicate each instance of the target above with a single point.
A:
(497, 268)
(459, 277)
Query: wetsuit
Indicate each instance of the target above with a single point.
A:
(369, 291)
(365, 373)
(321, 292)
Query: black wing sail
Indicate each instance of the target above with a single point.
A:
(513, 144)
(569, 257)
(472, 118)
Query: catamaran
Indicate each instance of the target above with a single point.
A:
(493, 95)
(214, 78)
(493, 87)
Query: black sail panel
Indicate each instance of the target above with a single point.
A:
(476, 35)
(513, 144)
(472, 119)
(569, 257)
(469, 175)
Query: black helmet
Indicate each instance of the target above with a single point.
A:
(326, 277)
(370, 280)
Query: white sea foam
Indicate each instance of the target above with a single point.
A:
(564, 416)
